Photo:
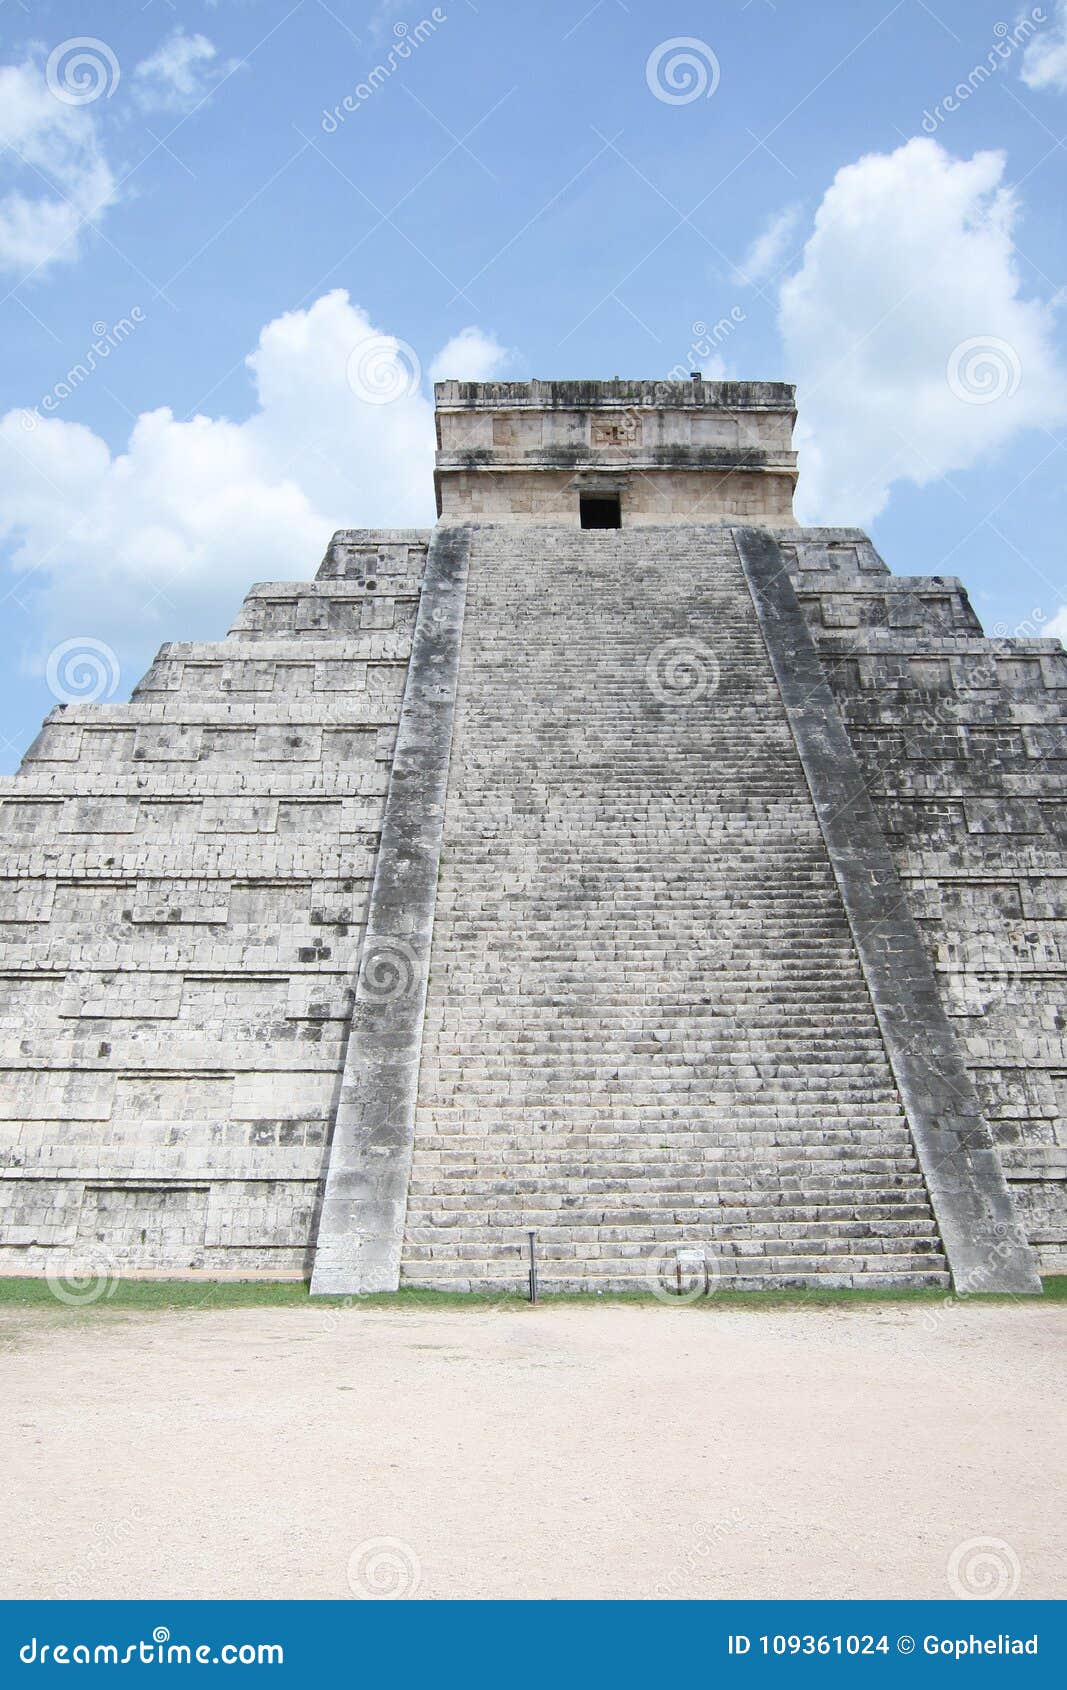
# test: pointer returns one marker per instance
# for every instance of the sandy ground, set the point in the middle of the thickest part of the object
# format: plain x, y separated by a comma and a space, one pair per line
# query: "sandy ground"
562, 1451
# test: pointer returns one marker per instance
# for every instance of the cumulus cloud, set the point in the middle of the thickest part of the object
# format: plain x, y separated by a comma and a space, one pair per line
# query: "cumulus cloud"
46, 143
914, 350
471, 355
1045, 59
765, 255
1056, 629
179, 74
161, 540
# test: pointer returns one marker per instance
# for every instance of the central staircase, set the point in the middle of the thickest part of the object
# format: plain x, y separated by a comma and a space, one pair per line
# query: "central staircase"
647, 1026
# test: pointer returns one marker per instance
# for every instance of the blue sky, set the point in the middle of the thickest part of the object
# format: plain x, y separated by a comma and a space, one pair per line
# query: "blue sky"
511, 194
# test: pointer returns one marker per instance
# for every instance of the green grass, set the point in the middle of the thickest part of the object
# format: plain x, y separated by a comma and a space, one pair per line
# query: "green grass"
150, 1295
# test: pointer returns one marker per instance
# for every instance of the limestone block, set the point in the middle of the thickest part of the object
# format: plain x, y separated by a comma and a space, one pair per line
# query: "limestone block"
141, 996
26, 900
59, 1096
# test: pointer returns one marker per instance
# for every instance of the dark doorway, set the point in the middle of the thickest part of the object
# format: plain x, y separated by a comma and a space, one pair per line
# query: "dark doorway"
600, 510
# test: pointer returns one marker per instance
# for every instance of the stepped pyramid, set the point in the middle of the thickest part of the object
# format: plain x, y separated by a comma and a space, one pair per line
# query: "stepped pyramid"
618, 862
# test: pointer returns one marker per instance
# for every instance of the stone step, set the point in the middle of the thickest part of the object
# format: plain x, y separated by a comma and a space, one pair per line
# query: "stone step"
595, 1226
614, 1277
629, 1198
880, 1186
591, 1244
603, 1132
645, 1009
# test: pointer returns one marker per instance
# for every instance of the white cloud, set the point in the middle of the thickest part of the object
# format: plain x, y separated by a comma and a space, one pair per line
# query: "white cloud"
905, 329
1045, 59
1056, 629
765, 255
52, 148
471, 355
179, 74
163, 539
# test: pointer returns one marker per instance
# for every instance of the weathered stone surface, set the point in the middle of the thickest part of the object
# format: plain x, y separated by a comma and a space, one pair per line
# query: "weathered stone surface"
648, 1019
976, 1218
647, 1025
963, 744
674, 451
183, 892
361, 1227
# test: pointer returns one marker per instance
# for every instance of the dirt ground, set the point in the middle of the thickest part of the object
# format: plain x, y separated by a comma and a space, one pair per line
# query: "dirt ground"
894, 1450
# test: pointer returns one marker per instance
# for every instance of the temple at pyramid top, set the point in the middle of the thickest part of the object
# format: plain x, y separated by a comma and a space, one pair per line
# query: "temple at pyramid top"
614, 454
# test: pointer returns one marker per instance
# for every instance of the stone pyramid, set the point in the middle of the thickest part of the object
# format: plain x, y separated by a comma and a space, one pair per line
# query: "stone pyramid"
618, 862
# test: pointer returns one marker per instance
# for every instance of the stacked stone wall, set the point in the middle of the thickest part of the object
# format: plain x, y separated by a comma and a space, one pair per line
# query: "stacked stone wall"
183, 884
964, 743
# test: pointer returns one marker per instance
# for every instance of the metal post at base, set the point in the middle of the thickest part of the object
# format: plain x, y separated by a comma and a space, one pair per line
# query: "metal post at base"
533, 1269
